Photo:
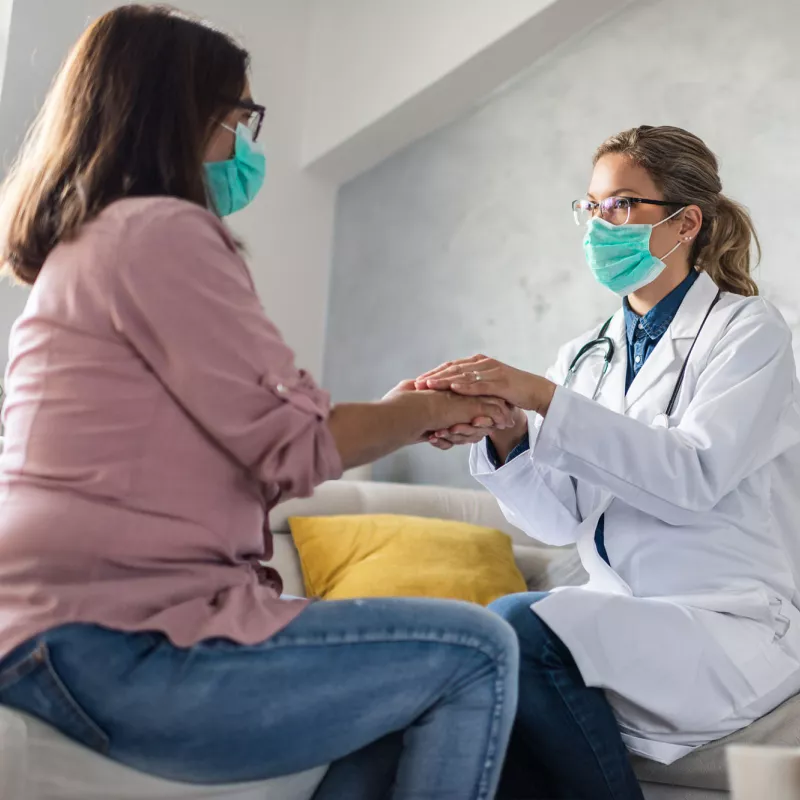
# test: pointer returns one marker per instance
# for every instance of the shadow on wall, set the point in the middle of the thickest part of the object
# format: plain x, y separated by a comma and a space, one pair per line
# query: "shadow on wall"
465, 243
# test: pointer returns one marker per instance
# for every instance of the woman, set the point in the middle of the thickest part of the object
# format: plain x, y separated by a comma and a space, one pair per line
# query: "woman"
153, 417
677, 482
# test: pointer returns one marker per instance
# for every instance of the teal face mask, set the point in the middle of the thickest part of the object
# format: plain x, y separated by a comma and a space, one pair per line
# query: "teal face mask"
233, 184
619, 255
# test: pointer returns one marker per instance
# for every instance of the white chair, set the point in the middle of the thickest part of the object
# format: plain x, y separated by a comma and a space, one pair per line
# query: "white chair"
38, 763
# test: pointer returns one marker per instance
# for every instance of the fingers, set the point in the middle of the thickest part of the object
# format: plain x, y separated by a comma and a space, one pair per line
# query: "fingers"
482, 375
500, 412
440, 444
457, 438
481, 422
449, 364
454, 367
404, 386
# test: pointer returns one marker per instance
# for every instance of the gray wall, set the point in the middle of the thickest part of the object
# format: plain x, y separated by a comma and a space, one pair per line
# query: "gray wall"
464, 242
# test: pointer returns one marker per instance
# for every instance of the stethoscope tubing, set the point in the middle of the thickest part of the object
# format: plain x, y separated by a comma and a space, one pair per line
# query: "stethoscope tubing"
608, 344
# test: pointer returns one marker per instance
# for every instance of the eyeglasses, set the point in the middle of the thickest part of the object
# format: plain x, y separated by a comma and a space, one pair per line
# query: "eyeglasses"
255, 119
616, 210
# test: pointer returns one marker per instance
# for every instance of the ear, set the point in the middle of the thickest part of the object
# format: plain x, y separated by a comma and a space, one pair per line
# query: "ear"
691, 221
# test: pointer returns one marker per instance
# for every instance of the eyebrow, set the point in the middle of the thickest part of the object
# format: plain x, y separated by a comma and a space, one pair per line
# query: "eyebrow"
615, 193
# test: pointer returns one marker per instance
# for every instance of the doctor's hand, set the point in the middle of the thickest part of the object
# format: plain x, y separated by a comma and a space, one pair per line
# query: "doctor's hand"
505, 439
481, 375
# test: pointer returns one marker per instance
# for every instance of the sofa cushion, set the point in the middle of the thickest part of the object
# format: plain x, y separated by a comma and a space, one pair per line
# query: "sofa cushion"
705, 767
393, 555
352, 497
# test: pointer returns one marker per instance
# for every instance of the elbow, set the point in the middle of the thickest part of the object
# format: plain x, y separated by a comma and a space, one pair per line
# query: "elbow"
557, 533
297, 468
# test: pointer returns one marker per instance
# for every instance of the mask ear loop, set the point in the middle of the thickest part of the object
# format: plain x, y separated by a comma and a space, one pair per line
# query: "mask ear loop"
667, 219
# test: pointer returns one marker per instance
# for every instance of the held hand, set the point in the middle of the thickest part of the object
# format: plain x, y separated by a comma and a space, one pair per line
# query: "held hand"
504, 440
494, 415
480, 375
448, 409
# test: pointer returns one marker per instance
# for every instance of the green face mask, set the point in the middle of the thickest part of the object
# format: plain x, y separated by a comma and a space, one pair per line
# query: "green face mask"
233, 184
619, 255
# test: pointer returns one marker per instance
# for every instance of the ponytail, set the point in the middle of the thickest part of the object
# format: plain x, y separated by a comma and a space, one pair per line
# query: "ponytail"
686, 171
722, 248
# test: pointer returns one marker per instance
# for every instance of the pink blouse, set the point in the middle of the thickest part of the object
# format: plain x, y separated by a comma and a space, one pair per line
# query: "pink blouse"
153, 418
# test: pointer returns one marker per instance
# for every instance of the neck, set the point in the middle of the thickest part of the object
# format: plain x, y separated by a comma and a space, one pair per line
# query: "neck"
642, 300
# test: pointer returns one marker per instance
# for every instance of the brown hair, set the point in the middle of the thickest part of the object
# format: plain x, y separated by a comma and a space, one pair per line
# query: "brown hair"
685, 170
130, 114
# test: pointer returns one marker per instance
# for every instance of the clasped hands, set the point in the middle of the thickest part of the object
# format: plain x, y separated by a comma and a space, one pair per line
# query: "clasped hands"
481, 376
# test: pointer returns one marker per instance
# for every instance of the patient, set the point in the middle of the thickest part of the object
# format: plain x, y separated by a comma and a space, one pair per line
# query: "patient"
154, 417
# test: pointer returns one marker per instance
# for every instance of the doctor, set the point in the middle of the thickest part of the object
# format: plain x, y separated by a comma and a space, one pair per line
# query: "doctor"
666, 445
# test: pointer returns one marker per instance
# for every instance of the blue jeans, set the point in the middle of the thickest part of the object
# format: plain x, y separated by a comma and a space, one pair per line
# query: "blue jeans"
566, 743
411, 699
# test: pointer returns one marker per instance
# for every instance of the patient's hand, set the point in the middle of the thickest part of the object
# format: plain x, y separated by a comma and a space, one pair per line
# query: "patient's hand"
466, 432
463, 433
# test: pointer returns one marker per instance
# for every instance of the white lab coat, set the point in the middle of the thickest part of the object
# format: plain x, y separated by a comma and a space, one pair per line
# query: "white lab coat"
694, 630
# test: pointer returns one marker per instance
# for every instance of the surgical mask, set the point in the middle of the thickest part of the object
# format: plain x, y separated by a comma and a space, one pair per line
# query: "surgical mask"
233, 184
619, 255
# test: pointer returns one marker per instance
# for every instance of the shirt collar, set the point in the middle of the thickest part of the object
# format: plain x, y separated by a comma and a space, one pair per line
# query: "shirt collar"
656, 321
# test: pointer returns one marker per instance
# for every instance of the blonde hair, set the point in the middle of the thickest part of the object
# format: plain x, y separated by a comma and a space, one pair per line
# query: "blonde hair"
685, 170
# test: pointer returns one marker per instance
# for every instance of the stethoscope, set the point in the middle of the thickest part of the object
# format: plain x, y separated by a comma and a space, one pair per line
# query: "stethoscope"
607, 343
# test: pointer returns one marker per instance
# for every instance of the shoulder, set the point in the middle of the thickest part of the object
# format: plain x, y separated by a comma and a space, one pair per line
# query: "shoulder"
753, 316
163, 216
163, 238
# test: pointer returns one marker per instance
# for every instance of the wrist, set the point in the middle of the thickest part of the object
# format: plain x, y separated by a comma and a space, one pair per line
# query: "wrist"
541, 395
411, 412
505, 441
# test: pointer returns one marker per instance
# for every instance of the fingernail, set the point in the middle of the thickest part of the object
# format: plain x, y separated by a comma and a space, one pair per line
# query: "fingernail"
457, 386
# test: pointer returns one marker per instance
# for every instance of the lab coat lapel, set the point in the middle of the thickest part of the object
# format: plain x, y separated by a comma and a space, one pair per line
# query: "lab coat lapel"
665, 362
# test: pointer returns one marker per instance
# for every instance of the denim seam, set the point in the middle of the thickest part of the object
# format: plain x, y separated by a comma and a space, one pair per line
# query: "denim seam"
282, 640
71, 707
432, 636
494, 730
550, 651
21, 668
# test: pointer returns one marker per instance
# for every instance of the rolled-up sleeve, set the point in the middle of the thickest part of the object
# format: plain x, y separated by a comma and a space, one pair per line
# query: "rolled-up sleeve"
184, 300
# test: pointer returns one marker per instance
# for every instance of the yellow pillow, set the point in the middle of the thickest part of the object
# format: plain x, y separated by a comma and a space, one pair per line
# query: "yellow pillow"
385, 555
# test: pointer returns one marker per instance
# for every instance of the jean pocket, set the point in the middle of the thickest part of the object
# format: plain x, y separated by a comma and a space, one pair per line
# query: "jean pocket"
32, 685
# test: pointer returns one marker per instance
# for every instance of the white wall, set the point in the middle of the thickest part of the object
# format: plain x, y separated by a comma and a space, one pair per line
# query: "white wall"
346, 83
370, 56
385, 72
288, 229
465, 243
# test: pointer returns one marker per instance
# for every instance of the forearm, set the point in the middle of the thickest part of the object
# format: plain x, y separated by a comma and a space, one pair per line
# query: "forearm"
365, 432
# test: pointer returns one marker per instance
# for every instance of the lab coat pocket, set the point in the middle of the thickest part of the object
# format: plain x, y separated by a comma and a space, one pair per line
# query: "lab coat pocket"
755, 651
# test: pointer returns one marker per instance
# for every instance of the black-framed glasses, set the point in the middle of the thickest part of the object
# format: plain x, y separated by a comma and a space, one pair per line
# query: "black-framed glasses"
616, 210
255, 119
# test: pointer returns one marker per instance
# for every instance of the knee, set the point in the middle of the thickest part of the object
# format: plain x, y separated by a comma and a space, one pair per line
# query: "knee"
470, 625
516, 610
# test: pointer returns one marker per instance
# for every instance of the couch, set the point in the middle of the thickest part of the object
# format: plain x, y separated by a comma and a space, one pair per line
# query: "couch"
37, 763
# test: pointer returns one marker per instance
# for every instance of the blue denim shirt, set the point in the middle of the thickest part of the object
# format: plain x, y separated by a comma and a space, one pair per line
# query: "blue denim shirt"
642, 336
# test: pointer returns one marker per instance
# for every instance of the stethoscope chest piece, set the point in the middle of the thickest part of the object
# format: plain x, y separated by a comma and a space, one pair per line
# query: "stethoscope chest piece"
661, 421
